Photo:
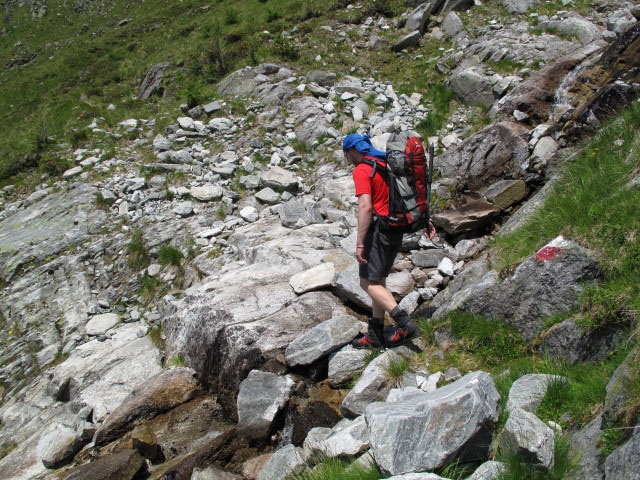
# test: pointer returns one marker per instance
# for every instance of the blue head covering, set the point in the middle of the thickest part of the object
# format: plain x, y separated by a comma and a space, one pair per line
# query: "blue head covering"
363, 145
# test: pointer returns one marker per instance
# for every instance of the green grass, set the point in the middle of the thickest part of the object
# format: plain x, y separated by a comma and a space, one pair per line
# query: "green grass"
137, 252
156, 336
177, 360
168, 255
396, 368
100, 202
518, 468
441, 99
150, 287
591, 204
337, 469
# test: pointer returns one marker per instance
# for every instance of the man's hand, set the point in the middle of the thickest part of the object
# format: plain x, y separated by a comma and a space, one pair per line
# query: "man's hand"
360, 254
430, 230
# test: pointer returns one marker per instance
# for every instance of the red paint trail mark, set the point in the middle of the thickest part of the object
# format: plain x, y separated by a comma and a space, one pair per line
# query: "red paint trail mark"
547, 253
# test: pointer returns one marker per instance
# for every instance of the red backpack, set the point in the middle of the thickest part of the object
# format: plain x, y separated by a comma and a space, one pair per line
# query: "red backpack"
409, 179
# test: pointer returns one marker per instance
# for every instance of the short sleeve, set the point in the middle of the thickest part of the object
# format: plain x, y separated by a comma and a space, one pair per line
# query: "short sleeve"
362, 180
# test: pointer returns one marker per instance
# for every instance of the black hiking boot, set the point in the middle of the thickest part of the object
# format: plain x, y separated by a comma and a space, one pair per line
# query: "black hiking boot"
374, 337
406, 329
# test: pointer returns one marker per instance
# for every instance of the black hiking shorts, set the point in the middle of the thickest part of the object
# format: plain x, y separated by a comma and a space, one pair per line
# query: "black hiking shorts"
380, 249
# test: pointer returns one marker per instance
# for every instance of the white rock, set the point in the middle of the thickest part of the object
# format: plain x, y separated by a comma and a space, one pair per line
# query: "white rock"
100, 324
250, 214
72, 172
445, 267
320, 276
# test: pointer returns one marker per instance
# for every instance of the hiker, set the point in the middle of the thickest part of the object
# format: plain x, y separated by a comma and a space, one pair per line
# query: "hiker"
376, 246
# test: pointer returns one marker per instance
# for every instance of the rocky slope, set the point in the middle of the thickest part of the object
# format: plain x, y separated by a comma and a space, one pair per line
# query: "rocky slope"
255, 314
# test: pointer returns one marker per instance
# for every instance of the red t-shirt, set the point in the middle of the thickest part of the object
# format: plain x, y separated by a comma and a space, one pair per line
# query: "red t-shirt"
376, 187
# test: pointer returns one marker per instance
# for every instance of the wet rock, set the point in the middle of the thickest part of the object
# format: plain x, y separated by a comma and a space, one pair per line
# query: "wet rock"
100, 324
496, 152
262, 395
310, 416
472, 216
155, 396
528, 436
119, 466
344, 364
284, 462
315, 278
152, 81
372, 386
527, 392
323, 339
58, 446
145, 442
430, 423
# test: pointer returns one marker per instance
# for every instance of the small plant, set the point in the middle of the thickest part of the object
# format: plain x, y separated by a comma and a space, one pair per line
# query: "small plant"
272, 15
79, 137
150, 287
221, 212
168, 255
371, 355
100, 202
285, 48
137, 251
214, 253
396, 368
231, 16
610, 439
300, 147
177, 361
156, 335
334, 468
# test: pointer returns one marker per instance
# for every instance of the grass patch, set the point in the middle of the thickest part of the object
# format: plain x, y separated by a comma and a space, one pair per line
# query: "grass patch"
137, 252
7, 448
176, 361
396, 368
156, 336
100, 202
338, 469
519, 468
168, 255
150, 287
591, 203
441, 98
506, 66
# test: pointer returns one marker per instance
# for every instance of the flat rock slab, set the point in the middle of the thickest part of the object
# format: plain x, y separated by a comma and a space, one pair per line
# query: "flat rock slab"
100, 324
320, 276
48, 228
206, 193
159, 394
262, 395
119, 466
472, 216
344, 364
323, 339
279, 179
528, 436
431, 424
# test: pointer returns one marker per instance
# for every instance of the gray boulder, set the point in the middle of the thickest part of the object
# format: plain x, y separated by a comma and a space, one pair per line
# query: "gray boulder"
547, 284
152, 81
584, 445
322, 78
285, 462
206, 193
529, 437
620, 20
58, 446
279, 179
100, 324
527, 392
295, 214
586, 31
427, 258
495, 152
624, 461
344, 363
347, 439
373, 386
418, 19
431, 424
347, 285
488, 471
518, 6
452, 25
323, 339
262, 395
617, 392
267, 195
410, 40
473, 88
320, 276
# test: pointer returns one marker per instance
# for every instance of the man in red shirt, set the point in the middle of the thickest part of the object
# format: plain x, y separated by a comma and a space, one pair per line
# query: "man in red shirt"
376, 247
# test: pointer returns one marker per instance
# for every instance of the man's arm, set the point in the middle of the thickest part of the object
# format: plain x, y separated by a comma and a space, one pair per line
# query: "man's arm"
365, 211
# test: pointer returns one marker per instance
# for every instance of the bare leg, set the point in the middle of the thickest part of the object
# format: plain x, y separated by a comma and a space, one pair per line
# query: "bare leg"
382, 299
